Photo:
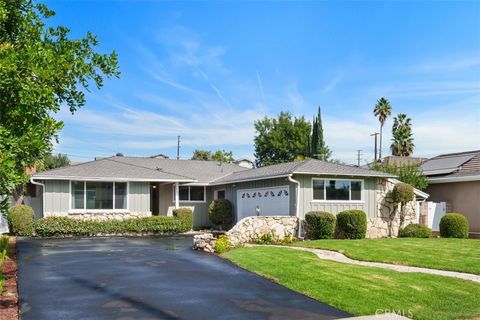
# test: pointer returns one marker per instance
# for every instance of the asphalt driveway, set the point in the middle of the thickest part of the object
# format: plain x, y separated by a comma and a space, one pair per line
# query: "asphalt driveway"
147, 278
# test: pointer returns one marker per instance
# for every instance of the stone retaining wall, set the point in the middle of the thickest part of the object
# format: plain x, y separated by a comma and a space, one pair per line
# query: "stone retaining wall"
378, 227
102, 216
251, 228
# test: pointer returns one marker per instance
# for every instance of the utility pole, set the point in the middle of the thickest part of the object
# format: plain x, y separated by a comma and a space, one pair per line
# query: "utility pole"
359, 155
178, 147
376, 135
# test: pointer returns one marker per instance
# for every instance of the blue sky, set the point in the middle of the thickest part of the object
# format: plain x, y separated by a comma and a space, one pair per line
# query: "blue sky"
208, 70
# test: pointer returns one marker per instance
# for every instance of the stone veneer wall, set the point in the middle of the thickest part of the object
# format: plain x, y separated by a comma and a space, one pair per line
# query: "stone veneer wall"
107, 215
251, 228
378, 227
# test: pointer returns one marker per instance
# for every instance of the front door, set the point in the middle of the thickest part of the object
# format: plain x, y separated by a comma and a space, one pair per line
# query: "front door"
154, 201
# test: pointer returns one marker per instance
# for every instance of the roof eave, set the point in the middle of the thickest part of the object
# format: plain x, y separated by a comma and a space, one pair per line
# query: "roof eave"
40, 177
218, 183
346, 174
454, 179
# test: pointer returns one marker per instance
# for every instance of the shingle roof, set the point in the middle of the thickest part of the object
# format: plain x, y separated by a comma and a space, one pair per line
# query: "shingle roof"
137, 168
310, 166
453, 164
195, 171
201, 171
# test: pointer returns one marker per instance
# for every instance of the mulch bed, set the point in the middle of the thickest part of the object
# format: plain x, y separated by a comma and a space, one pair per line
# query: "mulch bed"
9, 298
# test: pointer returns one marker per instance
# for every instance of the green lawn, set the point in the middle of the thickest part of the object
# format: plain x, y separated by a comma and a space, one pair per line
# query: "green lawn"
363, 290
448, 254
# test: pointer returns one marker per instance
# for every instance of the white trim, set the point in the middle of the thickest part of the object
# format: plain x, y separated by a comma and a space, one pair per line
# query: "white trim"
190, 201
215, 193
345, 175
43, 194
249, 179
109, 179
417, 192
362, 189
85, 210
454, 179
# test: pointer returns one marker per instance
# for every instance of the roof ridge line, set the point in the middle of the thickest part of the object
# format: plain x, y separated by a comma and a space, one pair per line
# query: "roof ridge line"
73, 165
154, 170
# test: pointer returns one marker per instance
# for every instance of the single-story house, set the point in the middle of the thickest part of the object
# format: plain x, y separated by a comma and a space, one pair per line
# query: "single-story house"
454, 178
119, 187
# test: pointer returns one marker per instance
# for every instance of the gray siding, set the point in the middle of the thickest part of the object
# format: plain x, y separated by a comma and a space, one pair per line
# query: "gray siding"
139, 197
369, 203
231, 190
57, 197
200, 209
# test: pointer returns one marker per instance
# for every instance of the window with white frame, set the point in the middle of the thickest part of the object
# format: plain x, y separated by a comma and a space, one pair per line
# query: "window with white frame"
219, 194
92, 195
337, 190
190, 193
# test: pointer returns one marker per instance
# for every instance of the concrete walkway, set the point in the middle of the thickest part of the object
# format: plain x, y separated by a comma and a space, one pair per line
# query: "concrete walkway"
336, 256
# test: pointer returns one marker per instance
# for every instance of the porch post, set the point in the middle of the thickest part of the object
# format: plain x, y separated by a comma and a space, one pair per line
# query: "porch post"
177, 195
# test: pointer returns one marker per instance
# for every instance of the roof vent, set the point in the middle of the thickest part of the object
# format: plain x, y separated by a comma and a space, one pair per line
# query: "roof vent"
158, 169
119, 154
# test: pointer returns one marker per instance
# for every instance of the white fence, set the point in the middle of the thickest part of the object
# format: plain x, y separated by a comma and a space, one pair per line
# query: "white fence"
432, 212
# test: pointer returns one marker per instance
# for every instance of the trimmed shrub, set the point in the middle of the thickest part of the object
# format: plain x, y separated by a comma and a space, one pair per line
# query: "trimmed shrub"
21, 219
185, 215
454, 225
65, 226
403, 193
320, 225
415, 230
220, 213
352, 224
222, 244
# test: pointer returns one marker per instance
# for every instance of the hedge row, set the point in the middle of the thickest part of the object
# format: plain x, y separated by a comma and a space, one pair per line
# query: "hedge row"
21, 221
350, 224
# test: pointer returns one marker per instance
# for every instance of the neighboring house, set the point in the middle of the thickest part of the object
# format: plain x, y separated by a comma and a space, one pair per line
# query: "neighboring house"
455, 179
119, 187
244, 163
399, 160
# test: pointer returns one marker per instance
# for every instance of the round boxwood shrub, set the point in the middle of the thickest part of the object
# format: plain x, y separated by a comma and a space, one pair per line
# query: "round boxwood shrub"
415, 230
352, 224
320, 225
21, 219
220, 213
454, 225
185, 215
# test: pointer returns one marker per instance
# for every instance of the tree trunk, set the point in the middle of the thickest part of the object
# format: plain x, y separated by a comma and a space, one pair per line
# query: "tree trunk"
17, 194
380, 150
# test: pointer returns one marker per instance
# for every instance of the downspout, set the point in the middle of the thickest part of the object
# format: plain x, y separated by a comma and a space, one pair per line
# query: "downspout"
43, 193
297, 199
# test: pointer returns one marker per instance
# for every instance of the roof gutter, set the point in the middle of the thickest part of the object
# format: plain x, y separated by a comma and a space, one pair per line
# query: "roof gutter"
109, 179
248, 179
454, 179
43, 193
297, 198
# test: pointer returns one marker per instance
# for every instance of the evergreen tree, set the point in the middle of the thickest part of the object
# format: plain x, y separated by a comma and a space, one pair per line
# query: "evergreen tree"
319, 149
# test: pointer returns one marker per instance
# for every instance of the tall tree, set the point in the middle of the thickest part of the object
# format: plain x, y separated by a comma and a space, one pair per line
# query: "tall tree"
319, 149
382, 110
52, 161
41, 69
281, 139
402, 141
218, 155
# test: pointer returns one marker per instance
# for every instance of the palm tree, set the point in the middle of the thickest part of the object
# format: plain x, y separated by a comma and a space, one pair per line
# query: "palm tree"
382, 110
402, 141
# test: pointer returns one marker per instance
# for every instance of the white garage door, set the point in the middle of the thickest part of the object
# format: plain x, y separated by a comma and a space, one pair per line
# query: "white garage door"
273, 201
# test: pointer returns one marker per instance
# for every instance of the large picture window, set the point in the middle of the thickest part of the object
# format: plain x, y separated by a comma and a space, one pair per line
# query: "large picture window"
337, 190
90, 195
190, 193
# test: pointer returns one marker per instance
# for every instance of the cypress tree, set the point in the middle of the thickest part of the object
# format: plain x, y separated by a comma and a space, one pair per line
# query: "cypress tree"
319, 148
